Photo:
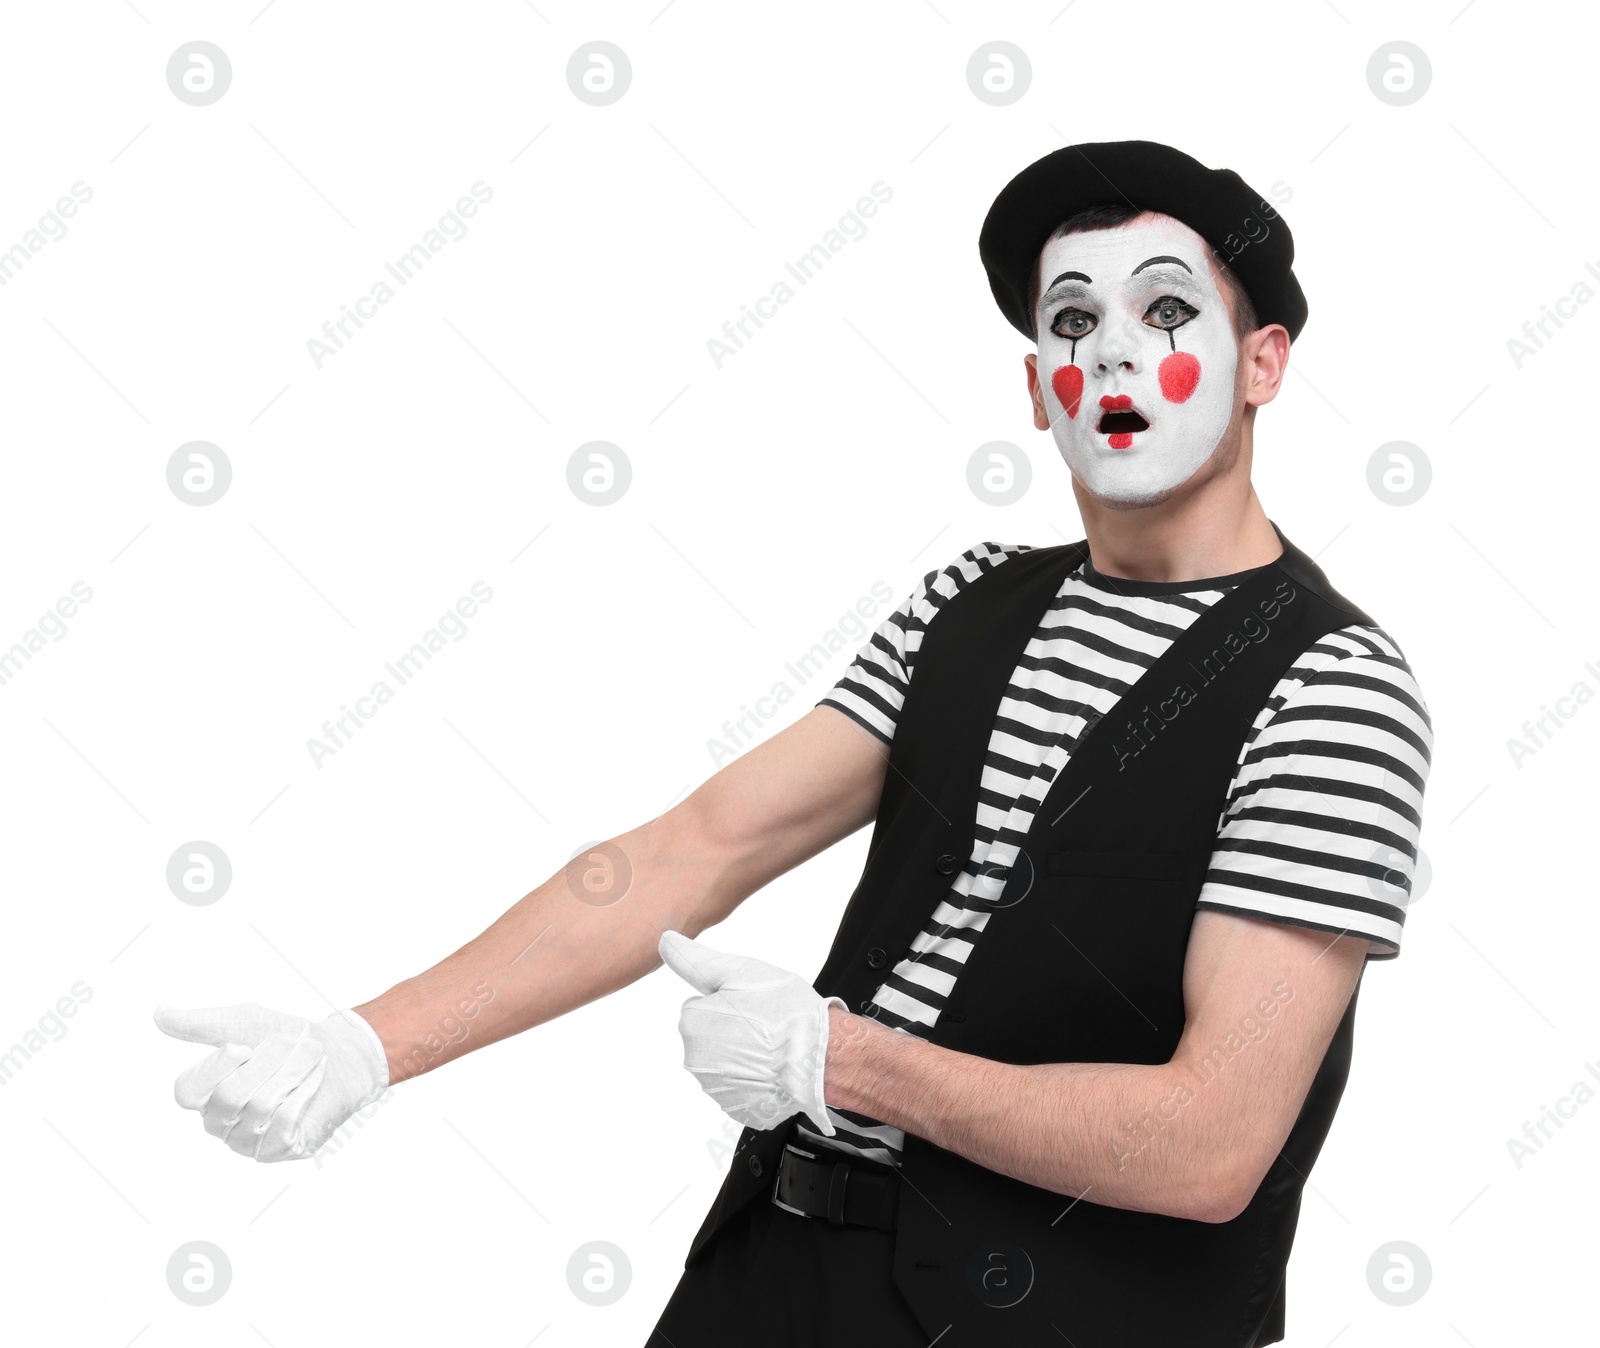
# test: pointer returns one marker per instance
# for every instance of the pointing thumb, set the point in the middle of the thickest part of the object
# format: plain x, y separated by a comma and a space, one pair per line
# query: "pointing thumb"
248, 1023
701, 967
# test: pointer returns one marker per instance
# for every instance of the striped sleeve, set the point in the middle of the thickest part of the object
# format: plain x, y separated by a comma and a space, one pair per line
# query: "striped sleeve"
1321, 825
873, 689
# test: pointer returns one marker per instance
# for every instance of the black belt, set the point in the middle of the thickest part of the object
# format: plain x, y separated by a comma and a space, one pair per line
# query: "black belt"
814, 1184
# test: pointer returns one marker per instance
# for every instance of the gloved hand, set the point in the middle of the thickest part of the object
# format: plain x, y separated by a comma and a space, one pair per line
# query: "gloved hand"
277, 1086
757, 1037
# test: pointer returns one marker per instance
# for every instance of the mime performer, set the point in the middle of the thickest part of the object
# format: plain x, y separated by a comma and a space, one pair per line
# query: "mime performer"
1144, 807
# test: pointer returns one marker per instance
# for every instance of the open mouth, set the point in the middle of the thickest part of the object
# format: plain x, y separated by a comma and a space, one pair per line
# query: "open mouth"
1117, 417
1119, 423
1122, 422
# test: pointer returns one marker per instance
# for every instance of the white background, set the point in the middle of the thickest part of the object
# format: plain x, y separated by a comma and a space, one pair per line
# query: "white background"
767, 497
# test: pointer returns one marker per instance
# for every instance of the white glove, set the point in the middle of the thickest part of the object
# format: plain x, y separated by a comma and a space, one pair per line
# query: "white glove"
277, 1086
757, 1039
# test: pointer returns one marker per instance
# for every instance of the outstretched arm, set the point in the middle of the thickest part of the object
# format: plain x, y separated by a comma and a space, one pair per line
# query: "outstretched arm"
277, 1086
594, 927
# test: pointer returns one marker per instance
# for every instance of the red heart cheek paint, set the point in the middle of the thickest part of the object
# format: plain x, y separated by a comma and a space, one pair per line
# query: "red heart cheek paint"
1179, 373
1068, 384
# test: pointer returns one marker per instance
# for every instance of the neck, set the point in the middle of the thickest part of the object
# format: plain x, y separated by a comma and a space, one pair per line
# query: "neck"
1209, 527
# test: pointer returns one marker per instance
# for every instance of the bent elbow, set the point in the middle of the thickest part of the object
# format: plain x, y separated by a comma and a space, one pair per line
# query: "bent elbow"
1218, 1198
1223, 1207
1210, 1204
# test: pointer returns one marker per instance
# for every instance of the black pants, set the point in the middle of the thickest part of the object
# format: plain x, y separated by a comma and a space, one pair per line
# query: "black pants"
773, 1279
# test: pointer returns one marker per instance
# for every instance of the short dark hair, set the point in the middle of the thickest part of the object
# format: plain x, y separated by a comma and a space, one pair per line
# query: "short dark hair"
1109, 216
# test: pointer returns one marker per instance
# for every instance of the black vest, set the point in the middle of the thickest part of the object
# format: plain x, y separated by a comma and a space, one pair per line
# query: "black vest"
1081, 960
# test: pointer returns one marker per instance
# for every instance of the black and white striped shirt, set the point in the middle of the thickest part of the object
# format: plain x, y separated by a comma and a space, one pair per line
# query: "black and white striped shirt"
1327, 790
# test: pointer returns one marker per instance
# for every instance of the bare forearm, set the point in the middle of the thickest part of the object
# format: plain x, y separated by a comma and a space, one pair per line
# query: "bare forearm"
588, 930
1113, 1133
594, 926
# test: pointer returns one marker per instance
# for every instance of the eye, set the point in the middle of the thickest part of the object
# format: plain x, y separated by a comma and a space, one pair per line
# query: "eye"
1073, 324
1169, 313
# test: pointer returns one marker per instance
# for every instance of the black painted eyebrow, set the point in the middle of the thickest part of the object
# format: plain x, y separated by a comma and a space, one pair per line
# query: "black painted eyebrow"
1151, 261
1076, 282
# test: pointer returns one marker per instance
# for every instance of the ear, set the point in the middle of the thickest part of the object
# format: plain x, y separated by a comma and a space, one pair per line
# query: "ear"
1041, 417
1265, 356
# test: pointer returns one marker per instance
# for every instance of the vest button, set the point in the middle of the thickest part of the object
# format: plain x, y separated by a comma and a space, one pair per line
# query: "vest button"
876, 958
755, 1166
947, 863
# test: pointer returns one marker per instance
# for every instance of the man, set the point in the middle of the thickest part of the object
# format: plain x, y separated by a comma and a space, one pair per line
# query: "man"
1149, 804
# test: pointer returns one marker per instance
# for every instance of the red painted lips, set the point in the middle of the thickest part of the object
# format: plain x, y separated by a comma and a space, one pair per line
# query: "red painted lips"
1119, 421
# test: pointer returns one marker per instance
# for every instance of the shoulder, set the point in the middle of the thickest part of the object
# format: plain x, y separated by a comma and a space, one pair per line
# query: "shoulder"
1355, 686
944, 583
978, 560
1361, 655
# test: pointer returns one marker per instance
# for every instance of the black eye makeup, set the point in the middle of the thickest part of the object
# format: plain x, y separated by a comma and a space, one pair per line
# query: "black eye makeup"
1073, 324
1168, 314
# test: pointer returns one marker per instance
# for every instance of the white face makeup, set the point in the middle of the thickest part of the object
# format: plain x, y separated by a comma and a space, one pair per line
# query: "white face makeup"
1136, 356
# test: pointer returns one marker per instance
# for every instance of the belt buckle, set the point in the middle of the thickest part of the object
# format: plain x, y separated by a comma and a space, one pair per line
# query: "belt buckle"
798, 1151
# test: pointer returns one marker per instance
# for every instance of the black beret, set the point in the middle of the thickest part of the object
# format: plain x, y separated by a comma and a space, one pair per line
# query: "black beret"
1244, 230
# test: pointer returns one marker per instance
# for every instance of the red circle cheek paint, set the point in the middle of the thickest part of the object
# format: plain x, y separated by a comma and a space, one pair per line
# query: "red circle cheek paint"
1179, 373
1068, 384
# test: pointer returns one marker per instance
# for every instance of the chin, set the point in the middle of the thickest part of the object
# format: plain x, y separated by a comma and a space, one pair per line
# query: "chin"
1135, 480
1122, 485
1131, 498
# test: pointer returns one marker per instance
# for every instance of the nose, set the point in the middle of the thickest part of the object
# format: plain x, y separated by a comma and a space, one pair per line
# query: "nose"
1119, 348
